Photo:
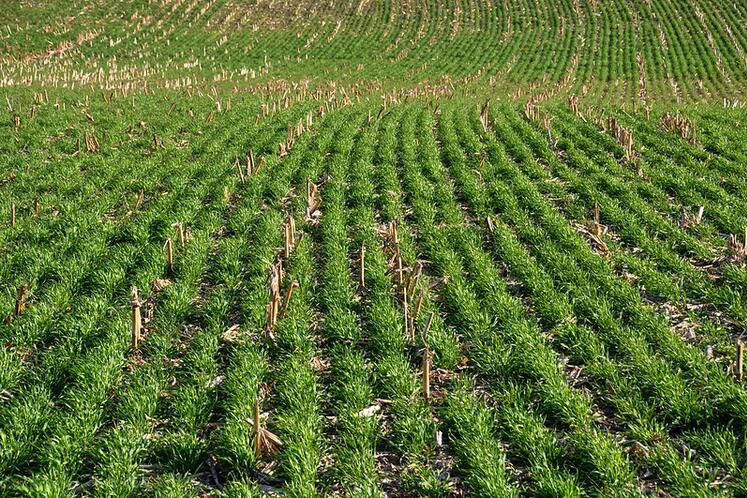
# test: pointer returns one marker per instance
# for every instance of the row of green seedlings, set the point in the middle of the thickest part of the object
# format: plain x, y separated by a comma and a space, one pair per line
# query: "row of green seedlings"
21, 294
531, 65
159, 285
253, 167
410, 294
115, 458
52, 363
596, 228
685, 218
626, 225
415, 432
40, 232
357, 412
267, 443
624, 136
376, 268
475, 197
36, 209
136, 322
214, 184
354, 431
688, 171
183, 234
301, 361
276, 310
691, 157
277, 307
243, 389
595, 231
86, 419
522, 266
262, 442
451, 247
20, 304
681, 125
551, 305
734, 246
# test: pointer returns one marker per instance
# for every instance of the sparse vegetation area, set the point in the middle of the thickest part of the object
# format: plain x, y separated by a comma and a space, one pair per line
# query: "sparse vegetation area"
373, 248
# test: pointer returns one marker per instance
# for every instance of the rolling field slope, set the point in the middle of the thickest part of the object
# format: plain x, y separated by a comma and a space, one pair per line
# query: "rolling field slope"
373, 248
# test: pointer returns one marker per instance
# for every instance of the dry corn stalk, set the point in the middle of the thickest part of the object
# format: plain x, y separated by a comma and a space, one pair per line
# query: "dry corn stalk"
257, 430
573, 103
237, 165
688, 221
293, 286
394, 237
409, 332
699, 216
136, 321
595, 231
313, 201
139, 200
739, 364
414, 279
168, 247
265, 442
419, 304
427, 327
250, 163
259, 164
21, 300
427, 361
273, 307
484, 116
180, 233
289, 229
683, 126
545, 122
12, 214
623, 136
157, 144
287, 249
531, 111
92, 143
36, 208
363, 265
739, 247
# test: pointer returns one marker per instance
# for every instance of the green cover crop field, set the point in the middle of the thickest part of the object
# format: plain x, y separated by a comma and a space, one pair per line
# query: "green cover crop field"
373, 248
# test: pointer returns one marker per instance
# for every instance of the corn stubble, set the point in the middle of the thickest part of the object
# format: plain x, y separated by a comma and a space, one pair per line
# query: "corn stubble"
458, 266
